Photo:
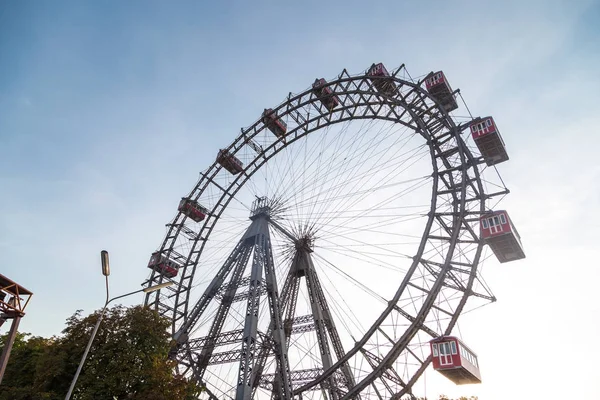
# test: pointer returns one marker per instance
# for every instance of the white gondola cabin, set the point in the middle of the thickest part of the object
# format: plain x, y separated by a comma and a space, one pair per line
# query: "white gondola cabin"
381, 79
230, 162
454, 360
438, 87
499, 233
192, 209
325, 94
163, 265
274, 123
488, 140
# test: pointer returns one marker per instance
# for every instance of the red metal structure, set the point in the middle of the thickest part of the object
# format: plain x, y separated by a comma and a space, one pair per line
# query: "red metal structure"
498, 231
325, 94
163, 265
13, 300
453, 359
192, 209
274, 123
437, 85
488, 140
380, 78
230, 162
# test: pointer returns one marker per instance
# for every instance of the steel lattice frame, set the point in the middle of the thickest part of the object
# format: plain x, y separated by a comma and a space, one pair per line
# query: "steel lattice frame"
457, 200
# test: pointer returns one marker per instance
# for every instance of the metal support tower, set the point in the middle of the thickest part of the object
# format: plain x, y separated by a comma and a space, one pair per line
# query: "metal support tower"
255, 244
302, 266
256, 346
13, 300
262, 262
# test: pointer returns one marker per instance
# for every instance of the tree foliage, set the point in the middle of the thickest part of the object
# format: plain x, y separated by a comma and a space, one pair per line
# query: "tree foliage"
128, 361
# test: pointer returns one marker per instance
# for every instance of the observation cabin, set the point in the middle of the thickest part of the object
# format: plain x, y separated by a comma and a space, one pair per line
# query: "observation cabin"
274, 123
488, 140
230, 162
438, 87
381, 79
453, 359
500, 234
192, 209
163, 265
325, 94
13, 299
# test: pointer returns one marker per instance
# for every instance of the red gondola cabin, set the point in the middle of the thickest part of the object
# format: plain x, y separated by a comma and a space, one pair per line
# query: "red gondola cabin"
498, 231
382, 80
163, 265
274, 123
230, 162
325, 94
192, 209
488, 141
454, 360
438, 87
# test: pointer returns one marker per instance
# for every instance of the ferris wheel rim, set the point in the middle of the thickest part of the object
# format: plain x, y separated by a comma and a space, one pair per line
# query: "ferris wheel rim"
242, 140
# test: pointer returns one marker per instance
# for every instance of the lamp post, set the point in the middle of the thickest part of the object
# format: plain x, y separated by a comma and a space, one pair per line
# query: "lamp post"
106, 273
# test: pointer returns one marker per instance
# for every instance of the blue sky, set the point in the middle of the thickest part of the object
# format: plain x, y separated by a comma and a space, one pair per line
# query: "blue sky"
108, 111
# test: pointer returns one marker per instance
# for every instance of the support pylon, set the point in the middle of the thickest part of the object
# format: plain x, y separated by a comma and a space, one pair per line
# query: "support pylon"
13, 300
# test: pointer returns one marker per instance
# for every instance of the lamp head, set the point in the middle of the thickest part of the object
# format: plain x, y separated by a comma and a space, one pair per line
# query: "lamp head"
105, 263
158, 287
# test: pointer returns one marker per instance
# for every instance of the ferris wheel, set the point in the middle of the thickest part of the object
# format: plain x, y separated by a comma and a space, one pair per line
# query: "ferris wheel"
329, 250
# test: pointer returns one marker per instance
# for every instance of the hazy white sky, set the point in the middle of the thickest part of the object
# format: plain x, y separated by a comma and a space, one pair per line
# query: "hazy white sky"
108, 110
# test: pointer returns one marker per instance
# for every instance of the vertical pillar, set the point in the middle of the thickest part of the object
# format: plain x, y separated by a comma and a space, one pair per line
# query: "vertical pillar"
320, 325
12, 334
281, 385
244, 388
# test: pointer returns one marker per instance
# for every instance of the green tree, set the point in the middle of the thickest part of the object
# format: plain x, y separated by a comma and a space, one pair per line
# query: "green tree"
128, 361
21, 370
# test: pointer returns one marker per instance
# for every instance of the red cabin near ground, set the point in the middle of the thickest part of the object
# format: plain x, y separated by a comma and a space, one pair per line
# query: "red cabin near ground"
274, 123
454, 360
192, 209
325, 94
382, 80
499, 233
438, 87
163, 265
488, 141
230, 162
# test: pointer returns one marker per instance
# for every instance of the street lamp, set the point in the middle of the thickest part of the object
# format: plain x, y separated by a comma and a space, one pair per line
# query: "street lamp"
106, 273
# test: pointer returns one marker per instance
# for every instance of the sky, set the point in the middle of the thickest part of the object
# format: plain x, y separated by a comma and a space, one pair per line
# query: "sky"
108, 111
